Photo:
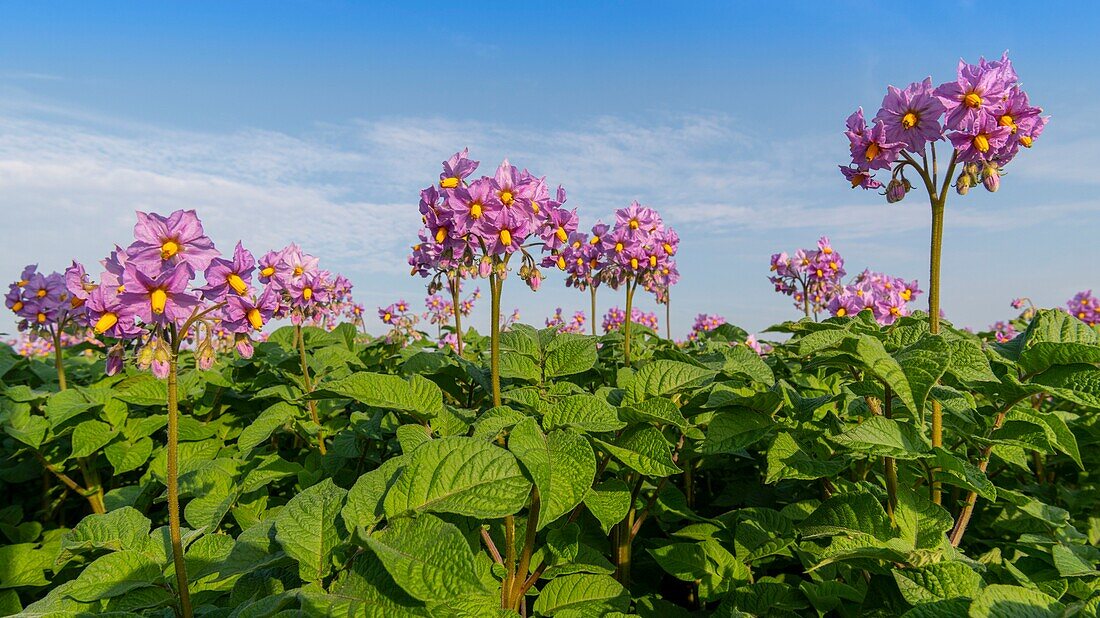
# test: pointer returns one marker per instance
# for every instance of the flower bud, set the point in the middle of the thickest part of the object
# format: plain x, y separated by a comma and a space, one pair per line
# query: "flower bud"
243, 345
535, 280
160, 369
146, 355
962, 185
204, 356
991, 177
114, 360
895, 191
485, 267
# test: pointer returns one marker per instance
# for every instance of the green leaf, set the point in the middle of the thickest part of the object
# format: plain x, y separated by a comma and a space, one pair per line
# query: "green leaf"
1070, 562
65, 405
665, 377
1001, 601
114, 574
644, 450
924, 363
938, 582
569, 354
608, 502
561, 464
1077, 383
684, 561
787, 461
429, 559
848, 514
878, 362
143, 390
309, 528
126, 456
968, 362
658, 410
953, 470
584, 412
920, 522
363, 507
90, 436
460, 475
417, 396
885, 437
743, 360
259, 430
591, 595
730, 432
1056, 338
124, 528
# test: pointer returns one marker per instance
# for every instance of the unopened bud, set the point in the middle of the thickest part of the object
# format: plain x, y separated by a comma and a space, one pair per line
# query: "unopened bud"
962, 185
895, 191
991, 177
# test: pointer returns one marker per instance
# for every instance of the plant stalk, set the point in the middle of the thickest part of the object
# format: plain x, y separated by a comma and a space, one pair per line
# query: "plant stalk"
495, 285
173, 488
592, 288
627, 321
455, 291
890, 465
308, 382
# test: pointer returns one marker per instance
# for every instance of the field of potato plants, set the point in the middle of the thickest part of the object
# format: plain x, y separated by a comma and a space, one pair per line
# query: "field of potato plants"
187, 430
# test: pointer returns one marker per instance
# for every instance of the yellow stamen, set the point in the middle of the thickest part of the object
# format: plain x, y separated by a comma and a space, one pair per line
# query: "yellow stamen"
633, 224
827, 250
981, 142
652, 261
105, 322
841, 312
972, 100
239, 286
894, 311
580, 261
1025, 141
21, 282
858, 178
872, 151
387, 317
255, 319
18, 306
41, 318
833, 266
668, 248
297, 271
168, 249
475, 210
618, 247
307, 293
76, 302
906, 294
506, 198
506, 238
40, 293
1007, 121
562, 236
440, 234
267, 272
909, 120
561, 263
634, 263
120, 289
534, 207
449, 183
576, 244
819, 273
595, 240
158, 298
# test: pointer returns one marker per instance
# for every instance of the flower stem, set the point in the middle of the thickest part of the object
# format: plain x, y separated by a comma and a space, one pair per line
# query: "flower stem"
495, 285
668, 315
94, 493
627, 322
934, 324
528, 548
593, 316
891, 468
458, 314
509, 562
57, 359
173, 488
308, 383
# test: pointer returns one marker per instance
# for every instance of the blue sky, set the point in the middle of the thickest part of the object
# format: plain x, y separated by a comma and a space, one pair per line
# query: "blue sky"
319, 122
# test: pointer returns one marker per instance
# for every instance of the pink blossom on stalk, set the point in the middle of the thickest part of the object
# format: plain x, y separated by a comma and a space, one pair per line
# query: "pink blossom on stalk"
244, 314
980, 139
273, 269
232, 277
457, 169
860, 178
1085, 307
975, 92
161, 297
912, 116
108, 315
170, 240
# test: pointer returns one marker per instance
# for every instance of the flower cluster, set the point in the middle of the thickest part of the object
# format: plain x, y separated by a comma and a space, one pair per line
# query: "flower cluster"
1003, 331
574, 325
43, 302
1085, 307
704, 322
441, 310
984, 114
616, 317
402, 322
470, 222
885, 296
756, 346
303, 291
810, 276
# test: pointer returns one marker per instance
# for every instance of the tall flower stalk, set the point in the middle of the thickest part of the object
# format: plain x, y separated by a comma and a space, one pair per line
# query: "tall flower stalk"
984, 115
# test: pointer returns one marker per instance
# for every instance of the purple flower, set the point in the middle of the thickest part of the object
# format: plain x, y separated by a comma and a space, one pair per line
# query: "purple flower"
456, 169
859, 178
223, 276
171, 240
273, 269
980, 139
243, 313
467, 205
874, 150
502, 231
161, 298
912, 116
975, 92
108, 315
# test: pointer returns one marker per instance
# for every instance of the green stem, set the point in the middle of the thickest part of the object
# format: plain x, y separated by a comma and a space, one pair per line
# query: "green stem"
495, 285
94, 493
668, 315
593, 316
518, 591
458, 314
509, 562
805, 300
934, 325
173, 488
57, 359
889, 464
308, 383
627, 322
